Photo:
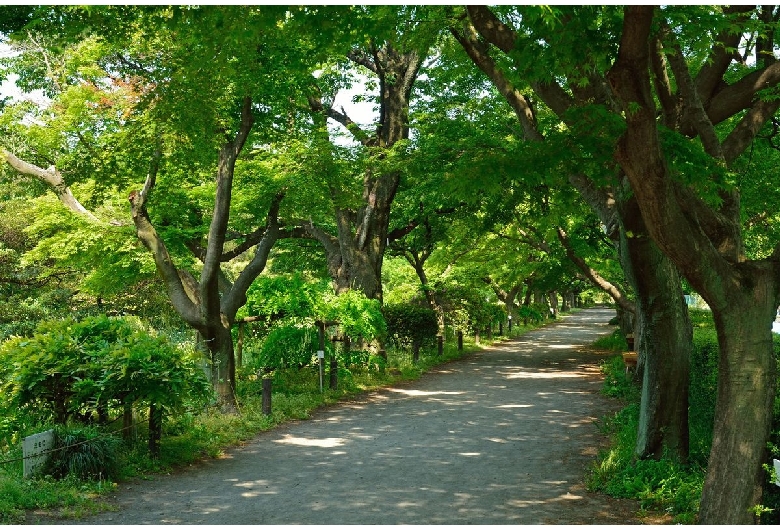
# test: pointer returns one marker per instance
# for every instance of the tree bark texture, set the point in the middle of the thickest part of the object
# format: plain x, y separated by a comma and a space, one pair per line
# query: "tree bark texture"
743, 295
664, 341
210, 304
356, 252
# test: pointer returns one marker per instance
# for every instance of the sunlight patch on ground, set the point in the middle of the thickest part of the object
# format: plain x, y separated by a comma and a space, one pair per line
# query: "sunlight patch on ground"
541, 375
422, 392
513, 406
311, 442
469, 454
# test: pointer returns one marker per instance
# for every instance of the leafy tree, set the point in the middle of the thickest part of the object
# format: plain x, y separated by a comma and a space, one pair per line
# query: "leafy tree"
82, 370
681, 193
169, 98
568, 131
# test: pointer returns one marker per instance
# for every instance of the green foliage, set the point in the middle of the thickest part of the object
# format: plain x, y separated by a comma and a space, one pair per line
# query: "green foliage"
530, 313
83, 452
615, 341
358, 316
618, 383
666, 484
291, 342
409, 325
84, 369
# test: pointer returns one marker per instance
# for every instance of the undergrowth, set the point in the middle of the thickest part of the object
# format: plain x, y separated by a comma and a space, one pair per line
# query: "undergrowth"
666, 484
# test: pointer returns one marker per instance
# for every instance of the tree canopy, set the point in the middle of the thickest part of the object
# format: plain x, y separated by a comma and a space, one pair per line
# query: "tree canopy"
189, 164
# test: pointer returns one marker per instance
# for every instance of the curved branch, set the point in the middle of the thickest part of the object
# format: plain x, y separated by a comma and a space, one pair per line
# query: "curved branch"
181, 287
593, 276
711, 73
52, 178
505, 38
480, 56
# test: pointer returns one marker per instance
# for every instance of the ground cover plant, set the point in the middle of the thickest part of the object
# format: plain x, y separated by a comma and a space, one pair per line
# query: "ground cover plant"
667, 484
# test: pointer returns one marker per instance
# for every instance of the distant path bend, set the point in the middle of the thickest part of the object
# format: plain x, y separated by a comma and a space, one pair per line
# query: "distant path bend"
502, 437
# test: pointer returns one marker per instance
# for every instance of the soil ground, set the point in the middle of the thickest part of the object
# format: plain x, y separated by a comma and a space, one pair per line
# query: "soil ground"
504, 436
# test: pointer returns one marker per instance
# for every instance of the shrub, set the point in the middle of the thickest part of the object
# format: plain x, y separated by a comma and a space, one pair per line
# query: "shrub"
84, 370
84, 453
410, 326
291, 342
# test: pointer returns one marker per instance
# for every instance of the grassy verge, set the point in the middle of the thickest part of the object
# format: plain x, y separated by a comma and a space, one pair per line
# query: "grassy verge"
191, 437
665, 484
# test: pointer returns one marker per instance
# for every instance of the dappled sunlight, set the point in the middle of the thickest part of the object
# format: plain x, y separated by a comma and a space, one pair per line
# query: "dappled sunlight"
408, 392
311, 442
543, 375
500, 438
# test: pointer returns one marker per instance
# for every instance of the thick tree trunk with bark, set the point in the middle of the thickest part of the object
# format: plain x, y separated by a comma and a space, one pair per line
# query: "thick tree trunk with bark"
706, 245
664, 340
210, 304
743, 416
356, 252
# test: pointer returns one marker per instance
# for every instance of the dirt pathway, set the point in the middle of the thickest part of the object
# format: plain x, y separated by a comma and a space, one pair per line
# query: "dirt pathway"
503, 437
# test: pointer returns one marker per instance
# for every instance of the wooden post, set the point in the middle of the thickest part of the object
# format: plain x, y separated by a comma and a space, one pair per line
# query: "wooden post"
267, 383
155, 430
510, 324
460, 340
476, 337
440, 341
500, 328
321, 330
416, 351
240, 345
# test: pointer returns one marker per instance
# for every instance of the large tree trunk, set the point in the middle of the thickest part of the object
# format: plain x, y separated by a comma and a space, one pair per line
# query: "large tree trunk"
219, 342
743, 413
664, 340
706, 246
356, 252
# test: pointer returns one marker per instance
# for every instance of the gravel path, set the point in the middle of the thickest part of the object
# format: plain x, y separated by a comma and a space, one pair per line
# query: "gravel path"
503, 437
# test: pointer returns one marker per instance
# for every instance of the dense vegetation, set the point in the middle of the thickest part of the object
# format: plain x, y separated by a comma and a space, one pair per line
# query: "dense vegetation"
666, 484
186, 190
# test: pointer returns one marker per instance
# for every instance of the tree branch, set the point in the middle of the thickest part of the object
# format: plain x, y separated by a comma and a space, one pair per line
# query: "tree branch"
53, 179
209, 280
480, 56
181, 287
505, 38
593, 276
711, 74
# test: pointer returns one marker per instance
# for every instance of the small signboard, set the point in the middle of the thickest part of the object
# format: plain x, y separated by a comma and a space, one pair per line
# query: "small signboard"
35, 450
777, 471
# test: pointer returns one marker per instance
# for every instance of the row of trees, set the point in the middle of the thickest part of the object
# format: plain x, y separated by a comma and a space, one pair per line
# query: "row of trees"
503, 151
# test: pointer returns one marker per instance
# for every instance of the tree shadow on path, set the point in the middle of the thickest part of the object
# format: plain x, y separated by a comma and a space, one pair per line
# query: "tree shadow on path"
502, 437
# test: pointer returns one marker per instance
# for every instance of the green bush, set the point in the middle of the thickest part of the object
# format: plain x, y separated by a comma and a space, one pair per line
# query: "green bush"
409, 326
528, 313
85, 370
666, 484
615, 341
291, 342
84, 453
